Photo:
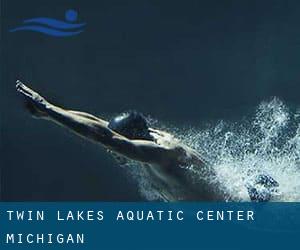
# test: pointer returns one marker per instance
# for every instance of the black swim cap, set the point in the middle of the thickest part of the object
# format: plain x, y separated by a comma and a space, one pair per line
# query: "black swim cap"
132, 125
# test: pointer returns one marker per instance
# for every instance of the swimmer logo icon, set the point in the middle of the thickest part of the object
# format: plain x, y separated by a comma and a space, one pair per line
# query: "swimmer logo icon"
53, 27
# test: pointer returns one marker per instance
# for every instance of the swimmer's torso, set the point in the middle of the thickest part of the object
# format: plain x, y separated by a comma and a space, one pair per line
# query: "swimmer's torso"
179, 179
181, 183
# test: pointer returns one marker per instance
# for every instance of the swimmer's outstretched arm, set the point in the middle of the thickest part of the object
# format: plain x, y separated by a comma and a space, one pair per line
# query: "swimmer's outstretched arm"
95, 129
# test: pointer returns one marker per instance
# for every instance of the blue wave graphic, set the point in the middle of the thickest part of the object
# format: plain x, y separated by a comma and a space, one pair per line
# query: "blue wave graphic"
47, 31
53, 23
53, 27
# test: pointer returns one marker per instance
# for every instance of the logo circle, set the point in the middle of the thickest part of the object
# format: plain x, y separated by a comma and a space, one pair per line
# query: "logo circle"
71, 15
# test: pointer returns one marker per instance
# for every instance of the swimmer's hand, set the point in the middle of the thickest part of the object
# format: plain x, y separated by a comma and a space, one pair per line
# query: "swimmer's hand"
35, 103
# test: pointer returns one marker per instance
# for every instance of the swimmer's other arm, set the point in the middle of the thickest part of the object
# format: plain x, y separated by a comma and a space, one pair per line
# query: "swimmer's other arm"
95, 129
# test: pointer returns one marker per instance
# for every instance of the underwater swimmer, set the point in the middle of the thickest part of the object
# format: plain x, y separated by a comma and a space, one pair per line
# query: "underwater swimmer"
129, 135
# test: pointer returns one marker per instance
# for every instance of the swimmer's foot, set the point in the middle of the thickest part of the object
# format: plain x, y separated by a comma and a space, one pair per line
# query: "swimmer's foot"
34, 103
263, 188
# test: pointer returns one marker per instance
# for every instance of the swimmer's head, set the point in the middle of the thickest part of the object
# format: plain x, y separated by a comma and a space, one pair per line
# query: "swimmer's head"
132, 125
